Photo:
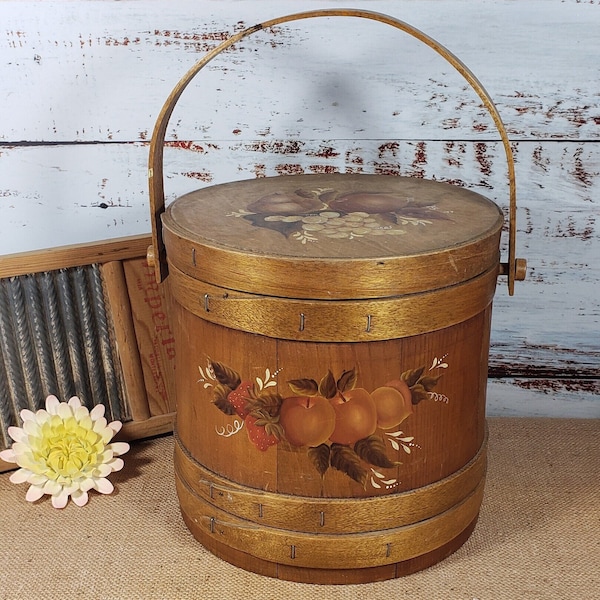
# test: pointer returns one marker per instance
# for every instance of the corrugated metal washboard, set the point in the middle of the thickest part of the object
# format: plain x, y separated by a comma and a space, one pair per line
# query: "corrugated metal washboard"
56, 338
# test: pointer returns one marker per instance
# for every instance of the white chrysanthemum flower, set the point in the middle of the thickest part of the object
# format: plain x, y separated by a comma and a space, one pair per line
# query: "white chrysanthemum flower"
64, 451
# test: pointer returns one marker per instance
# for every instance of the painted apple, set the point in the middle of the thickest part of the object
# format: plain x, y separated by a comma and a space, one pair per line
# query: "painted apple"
285, 203
355, 416
307, 420
369, 202
393, 403
402, 387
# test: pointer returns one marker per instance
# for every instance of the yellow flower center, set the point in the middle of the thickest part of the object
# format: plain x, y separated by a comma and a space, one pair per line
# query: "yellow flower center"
66, 449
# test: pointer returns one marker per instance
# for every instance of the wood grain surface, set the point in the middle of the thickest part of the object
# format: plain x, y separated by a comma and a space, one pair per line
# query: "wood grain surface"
83, 82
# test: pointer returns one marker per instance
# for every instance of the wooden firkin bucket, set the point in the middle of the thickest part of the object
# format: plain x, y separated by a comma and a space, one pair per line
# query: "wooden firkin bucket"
332, 338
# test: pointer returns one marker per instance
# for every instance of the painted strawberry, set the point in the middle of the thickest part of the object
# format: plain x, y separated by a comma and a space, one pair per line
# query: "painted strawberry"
239, 398
262, 435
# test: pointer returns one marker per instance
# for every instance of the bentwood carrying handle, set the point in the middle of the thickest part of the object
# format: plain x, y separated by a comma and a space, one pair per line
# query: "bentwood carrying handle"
514, 268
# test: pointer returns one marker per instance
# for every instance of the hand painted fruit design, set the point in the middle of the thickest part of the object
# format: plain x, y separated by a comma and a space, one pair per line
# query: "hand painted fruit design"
334, 418
393, 403
307, 420
238, 398
353, 445
287, 203
259, 408
258, 433
328, 214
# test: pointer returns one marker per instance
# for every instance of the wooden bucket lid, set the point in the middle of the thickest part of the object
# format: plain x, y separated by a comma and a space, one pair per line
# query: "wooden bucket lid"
335, 236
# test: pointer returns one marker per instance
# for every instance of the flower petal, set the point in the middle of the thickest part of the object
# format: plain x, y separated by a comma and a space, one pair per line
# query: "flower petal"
115, 426
102, 470
80, 498
36, 478
119, 448
101, 428
81, 413
63, 451
97, 412
52, 404
106, 433
31, 428
74, 402
60, 500
35, 492
17, 434
69, 489
86, 485
86, 421
8, 455
19, 476
52, 487
64, 411
116, 464
21, 447
106, 455
27, 415
104, 486
41, 416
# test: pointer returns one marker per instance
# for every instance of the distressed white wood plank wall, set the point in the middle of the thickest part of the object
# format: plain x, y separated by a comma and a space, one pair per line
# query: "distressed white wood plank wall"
82, 82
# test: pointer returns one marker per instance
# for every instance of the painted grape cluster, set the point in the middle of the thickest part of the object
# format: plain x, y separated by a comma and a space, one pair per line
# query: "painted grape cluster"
335, 225
329, 214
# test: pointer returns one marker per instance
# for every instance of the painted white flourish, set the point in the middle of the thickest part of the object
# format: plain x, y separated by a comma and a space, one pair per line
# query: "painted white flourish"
438, 363
269, 379
379, 480
397, 441
207, 376
436, 397
230, 429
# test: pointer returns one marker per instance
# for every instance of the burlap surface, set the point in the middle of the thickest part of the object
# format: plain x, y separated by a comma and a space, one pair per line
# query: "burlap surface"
538, 536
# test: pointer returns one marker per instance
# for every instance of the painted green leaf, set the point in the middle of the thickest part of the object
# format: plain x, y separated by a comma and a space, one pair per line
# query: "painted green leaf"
347, 380
327, 386
319, 457
429, 382
418, 393
412, 376
225, 375
267, 402
344, 459
220, 399
372, 450
304, 387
